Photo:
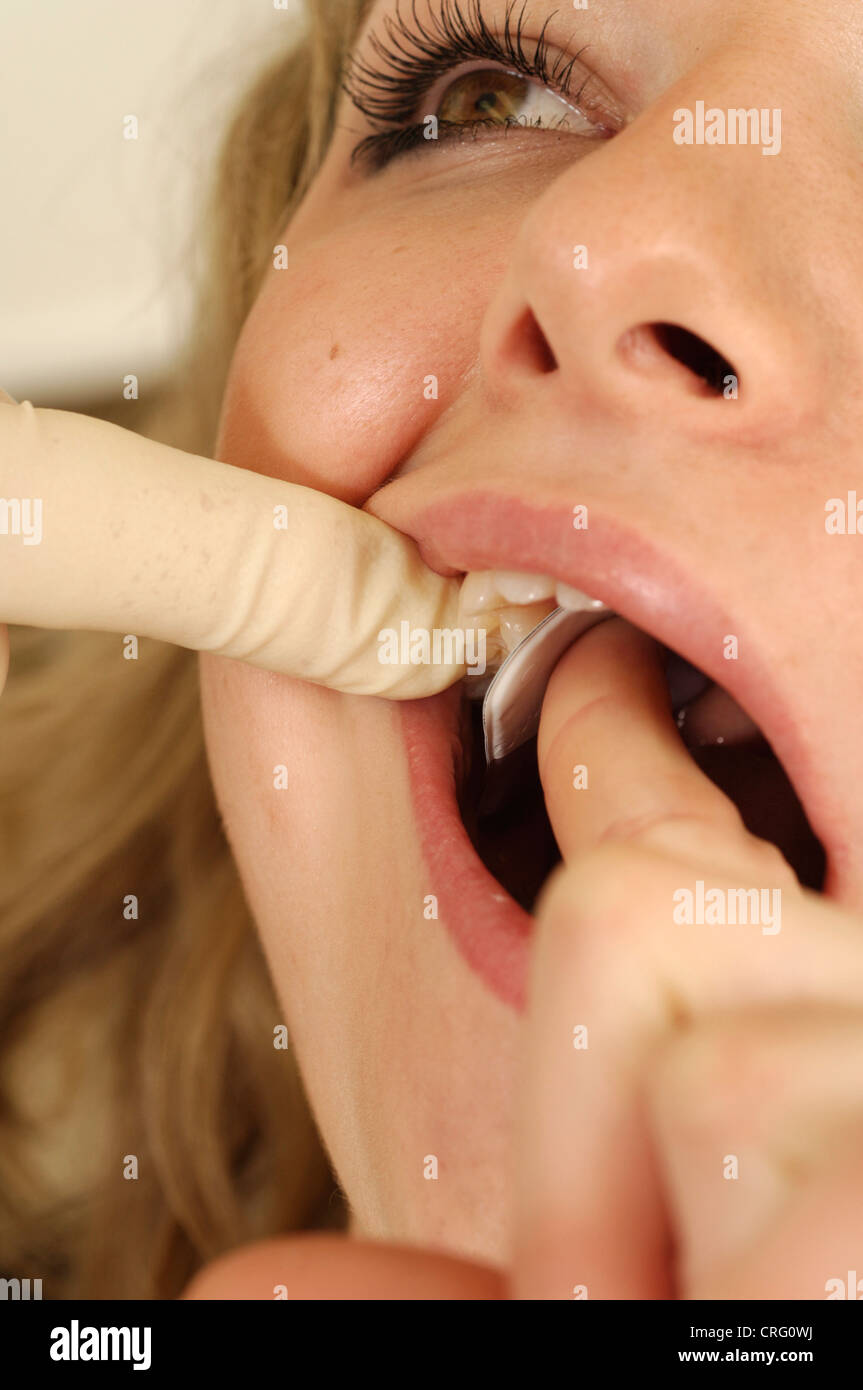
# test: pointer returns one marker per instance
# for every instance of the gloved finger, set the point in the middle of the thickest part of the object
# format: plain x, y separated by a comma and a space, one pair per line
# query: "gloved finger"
121, 534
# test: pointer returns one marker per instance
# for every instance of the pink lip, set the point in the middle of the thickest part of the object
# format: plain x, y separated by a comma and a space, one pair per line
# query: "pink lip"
483, 530
490, 930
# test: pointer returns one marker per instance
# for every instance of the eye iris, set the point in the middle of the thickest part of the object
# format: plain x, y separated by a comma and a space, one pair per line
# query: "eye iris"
472, 98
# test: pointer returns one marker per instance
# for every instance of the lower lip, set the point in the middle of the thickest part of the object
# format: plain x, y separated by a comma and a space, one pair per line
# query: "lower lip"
490, 930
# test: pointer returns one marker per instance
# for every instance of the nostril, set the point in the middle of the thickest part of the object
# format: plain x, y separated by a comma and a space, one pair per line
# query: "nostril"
529, 347
652, 340
693, 352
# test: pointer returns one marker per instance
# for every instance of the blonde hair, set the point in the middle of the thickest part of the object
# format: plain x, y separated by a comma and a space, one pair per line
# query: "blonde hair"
147, 1122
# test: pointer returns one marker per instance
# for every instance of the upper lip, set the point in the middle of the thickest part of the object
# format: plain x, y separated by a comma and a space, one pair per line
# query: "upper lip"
466, 529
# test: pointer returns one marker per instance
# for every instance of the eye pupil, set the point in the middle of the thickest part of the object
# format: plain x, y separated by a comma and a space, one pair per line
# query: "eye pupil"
484, 94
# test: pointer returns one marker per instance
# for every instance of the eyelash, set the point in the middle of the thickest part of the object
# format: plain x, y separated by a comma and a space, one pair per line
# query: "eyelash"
412, 59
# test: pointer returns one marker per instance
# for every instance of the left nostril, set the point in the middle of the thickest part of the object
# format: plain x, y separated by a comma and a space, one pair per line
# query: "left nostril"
652, 342
529, 347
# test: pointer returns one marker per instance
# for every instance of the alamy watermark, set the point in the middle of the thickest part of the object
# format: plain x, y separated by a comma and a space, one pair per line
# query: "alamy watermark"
20, 1290
844, 515
737, 126
438, 646
22, 516
77, 1343
719, 907
847, 1288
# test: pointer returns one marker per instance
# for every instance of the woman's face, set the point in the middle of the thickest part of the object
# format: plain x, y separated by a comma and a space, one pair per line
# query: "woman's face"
528, 271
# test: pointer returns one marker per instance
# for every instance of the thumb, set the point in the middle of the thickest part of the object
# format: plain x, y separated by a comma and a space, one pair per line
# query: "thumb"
607, 710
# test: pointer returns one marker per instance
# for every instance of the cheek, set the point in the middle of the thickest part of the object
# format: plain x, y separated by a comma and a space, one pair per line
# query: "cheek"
324, 844
296, 770
330, 383
272, 742
352, 353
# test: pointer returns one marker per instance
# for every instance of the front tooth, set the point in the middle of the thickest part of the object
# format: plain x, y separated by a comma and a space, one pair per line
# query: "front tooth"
479, 592
575, 600
523, 588
496, 652
516, 623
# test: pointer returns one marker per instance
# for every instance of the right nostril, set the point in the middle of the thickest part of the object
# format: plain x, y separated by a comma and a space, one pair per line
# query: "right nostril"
529, 347
693, 353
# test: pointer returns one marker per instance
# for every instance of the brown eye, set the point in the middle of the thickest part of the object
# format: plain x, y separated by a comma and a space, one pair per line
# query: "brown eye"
484, 96
493, 96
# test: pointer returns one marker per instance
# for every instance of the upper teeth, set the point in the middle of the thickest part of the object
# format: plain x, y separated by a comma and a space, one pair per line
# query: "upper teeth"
509, 605
486, 590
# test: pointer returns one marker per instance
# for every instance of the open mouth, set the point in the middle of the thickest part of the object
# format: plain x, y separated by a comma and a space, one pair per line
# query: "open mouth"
486, 839
503, 809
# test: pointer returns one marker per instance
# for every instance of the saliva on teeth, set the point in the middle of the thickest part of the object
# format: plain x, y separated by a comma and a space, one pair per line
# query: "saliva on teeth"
509, 605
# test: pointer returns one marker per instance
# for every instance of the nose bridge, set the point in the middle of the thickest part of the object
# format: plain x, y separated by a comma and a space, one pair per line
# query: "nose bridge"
668, 225
707, 175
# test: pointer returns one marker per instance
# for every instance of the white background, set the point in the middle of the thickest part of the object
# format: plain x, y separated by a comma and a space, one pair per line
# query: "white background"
98, 232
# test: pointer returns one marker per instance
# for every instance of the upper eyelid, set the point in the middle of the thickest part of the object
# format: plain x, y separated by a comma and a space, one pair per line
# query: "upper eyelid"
444, 80
388, 95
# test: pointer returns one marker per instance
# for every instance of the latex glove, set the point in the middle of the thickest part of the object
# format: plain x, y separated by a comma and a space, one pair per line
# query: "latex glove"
140, 538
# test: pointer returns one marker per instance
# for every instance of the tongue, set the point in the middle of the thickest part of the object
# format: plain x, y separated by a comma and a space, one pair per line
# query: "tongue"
732, 751
715, 718
705, 713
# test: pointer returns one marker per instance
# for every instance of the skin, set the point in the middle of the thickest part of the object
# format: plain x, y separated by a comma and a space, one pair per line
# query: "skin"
426, 268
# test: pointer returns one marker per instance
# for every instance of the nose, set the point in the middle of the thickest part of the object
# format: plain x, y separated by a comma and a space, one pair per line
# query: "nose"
645, 281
